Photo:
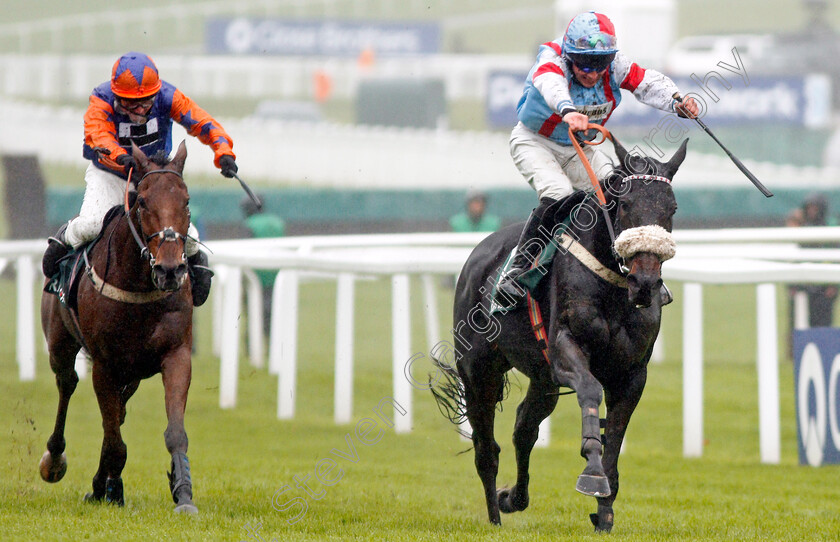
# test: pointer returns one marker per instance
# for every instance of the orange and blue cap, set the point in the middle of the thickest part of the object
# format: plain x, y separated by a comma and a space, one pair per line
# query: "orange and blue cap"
135, 76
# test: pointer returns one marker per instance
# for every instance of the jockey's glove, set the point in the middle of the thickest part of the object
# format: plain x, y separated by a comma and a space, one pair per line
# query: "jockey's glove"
127, 162
228, 165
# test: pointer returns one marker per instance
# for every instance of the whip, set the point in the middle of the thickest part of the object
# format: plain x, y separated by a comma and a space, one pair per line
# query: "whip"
738, 163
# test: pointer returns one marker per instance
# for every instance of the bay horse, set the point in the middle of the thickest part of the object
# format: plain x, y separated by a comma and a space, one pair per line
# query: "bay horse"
602, 314
134, 318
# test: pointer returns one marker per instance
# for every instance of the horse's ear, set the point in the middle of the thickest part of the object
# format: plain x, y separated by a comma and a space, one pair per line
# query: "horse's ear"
139, 157
676, 160
621, 153
180, 157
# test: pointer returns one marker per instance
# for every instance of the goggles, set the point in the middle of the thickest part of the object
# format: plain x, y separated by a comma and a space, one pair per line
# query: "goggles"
599, 41
129, 104
591, 63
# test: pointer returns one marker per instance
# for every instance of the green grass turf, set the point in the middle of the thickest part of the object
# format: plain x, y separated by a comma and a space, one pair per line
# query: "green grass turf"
411, 486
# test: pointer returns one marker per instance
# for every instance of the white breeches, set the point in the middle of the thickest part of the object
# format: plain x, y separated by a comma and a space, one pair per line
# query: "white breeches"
554, 170
103, 190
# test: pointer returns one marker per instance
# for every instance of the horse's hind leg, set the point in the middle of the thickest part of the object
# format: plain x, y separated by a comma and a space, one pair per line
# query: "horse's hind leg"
482, 390
63, 349
176, 372
107, 482
537, 405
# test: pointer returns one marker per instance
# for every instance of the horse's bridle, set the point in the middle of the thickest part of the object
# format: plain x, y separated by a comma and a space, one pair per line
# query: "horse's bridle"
166, 234
617, 251
612, 224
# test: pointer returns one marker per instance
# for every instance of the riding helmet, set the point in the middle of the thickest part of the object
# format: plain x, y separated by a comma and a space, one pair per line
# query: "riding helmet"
135, 76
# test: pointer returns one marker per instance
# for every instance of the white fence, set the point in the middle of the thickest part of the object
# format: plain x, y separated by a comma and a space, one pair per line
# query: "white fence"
701, 260
72, 77
360, 157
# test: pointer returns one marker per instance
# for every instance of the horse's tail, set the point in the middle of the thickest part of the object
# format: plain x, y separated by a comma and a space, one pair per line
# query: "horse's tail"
449, 395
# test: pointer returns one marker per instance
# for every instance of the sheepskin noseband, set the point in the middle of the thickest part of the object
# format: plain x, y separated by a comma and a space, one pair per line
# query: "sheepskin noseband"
653, 238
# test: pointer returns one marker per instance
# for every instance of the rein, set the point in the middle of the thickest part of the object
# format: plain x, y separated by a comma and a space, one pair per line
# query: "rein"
592, 177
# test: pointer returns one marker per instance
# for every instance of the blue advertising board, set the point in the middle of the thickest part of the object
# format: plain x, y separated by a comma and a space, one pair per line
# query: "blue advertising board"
243, 36
816, 355
779, 100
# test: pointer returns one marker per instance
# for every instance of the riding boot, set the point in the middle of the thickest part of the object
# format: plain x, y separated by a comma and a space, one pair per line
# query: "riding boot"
535, 228
200, 276
665, 295
57, 248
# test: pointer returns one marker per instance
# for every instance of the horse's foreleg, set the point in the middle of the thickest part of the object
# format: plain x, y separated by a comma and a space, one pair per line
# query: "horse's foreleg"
107, 482
571, 368
481, 392
537, 405
176, 372
620, 406
54, 462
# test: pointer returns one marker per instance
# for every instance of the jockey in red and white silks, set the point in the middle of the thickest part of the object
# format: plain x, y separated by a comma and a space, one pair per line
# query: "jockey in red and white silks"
576, 80
551, 91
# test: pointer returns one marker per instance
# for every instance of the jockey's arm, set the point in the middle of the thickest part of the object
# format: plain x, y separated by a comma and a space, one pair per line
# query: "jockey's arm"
200, 124
550, 81
100, 133
651, 87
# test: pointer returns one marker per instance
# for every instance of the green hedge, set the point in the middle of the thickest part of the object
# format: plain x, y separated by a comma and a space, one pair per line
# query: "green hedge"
325, 205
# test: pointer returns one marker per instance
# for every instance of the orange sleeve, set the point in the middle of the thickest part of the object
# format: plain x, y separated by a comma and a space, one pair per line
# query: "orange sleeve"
100, 131
200, 124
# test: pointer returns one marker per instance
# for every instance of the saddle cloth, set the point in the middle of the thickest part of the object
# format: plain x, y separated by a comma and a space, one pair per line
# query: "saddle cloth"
65, 283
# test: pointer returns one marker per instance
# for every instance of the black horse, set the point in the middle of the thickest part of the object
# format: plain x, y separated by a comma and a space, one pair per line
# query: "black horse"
601, 324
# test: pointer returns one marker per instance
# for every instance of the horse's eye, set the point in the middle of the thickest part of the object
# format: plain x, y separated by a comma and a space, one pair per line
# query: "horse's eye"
141, 202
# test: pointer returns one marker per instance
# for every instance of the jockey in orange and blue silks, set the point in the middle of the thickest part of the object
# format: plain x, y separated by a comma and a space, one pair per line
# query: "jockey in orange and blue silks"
154, 104
576, 80
136, 106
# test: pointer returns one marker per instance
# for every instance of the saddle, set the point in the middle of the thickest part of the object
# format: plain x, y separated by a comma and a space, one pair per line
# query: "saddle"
65, 283
530, 279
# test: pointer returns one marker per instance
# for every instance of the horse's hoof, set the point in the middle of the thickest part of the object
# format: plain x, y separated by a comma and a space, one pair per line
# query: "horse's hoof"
114, 491
594, 486
52, 471
503, 496
93, 498
600, 526
186, 508
507, 504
